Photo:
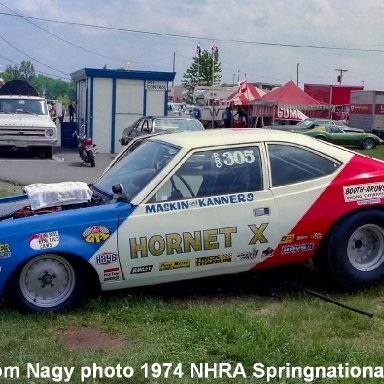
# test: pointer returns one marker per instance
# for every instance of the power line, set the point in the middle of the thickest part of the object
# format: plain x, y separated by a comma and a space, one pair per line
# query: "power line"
175, 35
32, 58
57, 36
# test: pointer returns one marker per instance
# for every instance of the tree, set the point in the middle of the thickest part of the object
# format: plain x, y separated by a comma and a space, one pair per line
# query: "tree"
204, 70
25, 71
52, 89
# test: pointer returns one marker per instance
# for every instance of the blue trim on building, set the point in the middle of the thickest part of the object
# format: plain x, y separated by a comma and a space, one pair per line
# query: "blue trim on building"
166, 102
113, 122
122, 74
145, 101
90, 116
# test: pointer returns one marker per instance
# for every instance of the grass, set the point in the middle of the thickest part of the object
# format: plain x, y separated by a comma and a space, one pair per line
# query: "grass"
238, 325
235, 319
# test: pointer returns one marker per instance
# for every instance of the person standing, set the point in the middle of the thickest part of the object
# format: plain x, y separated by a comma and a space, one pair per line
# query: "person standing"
71, 110
196, 112
227, 117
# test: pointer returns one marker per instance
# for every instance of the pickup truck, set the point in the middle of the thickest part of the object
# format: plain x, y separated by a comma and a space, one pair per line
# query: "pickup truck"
25, 123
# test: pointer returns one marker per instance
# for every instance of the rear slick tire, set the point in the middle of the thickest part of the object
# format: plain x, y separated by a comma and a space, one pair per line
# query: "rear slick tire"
355, 256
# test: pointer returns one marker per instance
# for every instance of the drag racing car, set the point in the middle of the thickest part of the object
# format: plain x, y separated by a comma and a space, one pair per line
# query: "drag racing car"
193, 204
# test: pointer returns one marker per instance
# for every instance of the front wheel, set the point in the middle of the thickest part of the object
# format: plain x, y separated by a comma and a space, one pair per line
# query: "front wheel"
355, 256
46, 283
91, 158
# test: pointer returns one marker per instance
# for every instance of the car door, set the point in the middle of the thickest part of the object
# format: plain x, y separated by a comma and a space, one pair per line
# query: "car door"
211, 215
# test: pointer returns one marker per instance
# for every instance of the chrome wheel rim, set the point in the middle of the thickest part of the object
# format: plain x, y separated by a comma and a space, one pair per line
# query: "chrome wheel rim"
366, 248
47, 281
368, 144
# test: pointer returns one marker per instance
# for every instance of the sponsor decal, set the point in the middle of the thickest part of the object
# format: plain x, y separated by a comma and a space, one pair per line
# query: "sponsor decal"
186, 242
106, 258
371, 201
168, 265
112, 274
141, 269
314, 236
44, 240
199, 203
363, 192
267, 252
247, 255
296, 248
5, 250
208, 260
287, 239
96, 234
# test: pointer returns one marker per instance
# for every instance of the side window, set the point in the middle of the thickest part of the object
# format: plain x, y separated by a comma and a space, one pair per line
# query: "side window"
218, 172
290, 164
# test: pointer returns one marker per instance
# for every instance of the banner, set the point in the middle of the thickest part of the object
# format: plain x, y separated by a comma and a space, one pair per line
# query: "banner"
242, 86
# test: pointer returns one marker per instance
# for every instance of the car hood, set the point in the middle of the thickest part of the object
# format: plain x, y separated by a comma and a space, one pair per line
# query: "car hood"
23, 120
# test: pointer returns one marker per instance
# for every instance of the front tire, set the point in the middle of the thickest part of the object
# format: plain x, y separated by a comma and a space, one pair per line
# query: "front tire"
47, 283
355, 255
48, 152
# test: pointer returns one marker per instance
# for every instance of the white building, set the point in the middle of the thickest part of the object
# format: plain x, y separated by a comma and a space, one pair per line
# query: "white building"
110, 100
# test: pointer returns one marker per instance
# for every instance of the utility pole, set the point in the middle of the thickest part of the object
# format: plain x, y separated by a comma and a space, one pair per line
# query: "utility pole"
233, 78
340, 77
297, 74
173, 67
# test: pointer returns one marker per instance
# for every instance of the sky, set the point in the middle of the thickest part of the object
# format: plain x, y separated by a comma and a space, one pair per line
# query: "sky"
269, 41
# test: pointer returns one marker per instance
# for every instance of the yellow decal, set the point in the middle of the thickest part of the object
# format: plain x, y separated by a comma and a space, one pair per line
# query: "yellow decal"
258, 233
175, 243
287, 239
207, 260
96, 234
168, 265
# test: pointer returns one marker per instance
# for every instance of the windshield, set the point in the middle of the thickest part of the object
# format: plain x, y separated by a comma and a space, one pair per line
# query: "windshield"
30, 106
136, 167
162, 125
305, 123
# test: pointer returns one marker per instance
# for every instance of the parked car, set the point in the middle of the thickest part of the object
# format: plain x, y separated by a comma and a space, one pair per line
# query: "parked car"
315, 122
154, 124
336, 135
195, 204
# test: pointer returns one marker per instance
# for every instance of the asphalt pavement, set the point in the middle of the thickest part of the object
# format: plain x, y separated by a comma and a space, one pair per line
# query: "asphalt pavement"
66, 165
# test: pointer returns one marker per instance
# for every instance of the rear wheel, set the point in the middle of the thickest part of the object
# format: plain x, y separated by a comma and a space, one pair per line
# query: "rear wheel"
368, 143
322, 138
355, 254
47, 283
91, 158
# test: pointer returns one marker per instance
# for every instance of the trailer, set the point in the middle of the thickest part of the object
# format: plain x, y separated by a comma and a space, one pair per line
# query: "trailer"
367, 111
210, 99
338, 96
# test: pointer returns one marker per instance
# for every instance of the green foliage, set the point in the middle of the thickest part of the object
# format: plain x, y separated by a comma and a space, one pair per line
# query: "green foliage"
204, 70
52, 89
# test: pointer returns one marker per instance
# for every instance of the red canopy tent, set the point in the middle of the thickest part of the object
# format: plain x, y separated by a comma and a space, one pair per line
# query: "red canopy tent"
291, 96
244, 98
285, 103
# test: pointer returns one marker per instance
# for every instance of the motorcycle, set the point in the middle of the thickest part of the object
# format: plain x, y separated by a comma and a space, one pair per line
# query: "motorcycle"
87, 149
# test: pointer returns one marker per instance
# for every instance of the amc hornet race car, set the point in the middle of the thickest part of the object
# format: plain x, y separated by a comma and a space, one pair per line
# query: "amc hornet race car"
195, 204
